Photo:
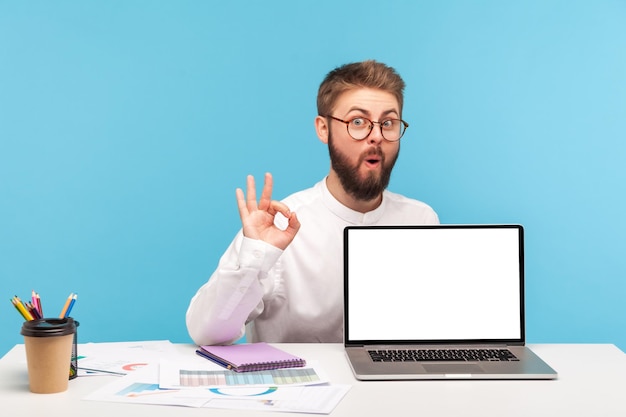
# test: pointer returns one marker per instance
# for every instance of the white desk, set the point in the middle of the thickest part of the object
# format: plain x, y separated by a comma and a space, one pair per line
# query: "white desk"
592, 382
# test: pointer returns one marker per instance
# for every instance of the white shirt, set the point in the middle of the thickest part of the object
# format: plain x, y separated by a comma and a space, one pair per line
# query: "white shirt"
295, 295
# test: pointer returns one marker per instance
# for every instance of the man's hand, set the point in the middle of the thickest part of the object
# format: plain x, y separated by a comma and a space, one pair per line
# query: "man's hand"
258, 219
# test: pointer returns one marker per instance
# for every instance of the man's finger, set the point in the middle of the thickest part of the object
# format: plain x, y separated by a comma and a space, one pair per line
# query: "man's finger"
251, 193
266, 194
278, 207
294, 224
241, 203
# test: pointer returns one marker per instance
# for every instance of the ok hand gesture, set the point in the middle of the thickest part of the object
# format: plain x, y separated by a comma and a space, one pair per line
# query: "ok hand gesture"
258, 219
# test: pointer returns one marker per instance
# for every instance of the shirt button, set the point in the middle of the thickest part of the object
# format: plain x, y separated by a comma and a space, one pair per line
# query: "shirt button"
257, 254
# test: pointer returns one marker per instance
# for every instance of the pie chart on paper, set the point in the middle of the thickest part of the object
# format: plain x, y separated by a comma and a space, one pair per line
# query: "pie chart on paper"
133, 366
244, 392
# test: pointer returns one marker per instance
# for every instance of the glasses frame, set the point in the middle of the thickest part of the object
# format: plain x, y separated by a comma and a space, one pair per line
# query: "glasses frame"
372, 123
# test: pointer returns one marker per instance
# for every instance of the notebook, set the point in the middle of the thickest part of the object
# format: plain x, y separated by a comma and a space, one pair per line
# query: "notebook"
437, 302
250, 357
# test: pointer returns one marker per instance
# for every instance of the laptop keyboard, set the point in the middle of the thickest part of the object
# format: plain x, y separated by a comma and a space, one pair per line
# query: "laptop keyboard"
441, 355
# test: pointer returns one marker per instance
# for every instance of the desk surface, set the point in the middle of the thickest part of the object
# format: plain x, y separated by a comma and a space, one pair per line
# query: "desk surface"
592, 382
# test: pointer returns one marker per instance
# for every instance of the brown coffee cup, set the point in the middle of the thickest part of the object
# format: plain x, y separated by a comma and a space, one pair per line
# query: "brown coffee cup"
48, 343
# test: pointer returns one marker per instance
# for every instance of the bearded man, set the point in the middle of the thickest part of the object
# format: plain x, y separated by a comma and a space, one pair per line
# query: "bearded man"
281, 278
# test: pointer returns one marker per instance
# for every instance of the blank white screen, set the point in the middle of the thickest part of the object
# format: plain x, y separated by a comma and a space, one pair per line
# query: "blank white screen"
434, 284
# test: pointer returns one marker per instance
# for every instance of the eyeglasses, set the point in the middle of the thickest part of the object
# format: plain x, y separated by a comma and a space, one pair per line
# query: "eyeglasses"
359, 128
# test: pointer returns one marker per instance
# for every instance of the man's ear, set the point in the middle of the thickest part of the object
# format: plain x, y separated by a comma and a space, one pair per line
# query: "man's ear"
322, 128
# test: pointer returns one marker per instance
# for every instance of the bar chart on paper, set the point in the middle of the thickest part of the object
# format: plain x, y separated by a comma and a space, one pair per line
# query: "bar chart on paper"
285, 376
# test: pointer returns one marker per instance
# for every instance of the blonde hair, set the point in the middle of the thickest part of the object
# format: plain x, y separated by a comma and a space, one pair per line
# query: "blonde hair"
365, 74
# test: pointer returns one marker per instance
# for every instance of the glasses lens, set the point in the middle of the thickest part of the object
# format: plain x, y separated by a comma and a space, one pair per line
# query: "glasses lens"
392, 129
359, 128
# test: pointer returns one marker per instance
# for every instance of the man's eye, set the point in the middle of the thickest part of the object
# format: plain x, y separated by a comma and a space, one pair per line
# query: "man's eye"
388, 124
358, 122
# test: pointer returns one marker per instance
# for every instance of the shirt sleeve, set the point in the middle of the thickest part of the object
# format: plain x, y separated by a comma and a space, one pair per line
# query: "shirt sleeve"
233, 295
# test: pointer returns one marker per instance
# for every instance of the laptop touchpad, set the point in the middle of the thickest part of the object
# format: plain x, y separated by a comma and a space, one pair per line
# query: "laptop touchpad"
452, 368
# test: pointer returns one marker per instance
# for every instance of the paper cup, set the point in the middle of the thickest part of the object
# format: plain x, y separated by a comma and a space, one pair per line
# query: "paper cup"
48, 344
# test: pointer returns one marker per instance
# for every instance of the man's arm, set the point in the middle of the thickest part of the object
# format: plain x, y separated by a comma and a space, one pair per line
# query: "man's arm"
233, 295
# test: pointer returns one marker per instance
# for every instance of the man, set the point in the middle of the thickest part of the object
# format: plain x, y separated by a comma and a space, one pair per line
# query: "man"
281, 279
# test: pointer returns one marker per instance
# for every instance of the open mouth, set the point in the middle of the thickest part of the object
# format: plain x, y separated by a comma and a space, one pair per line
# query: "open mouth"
372, 160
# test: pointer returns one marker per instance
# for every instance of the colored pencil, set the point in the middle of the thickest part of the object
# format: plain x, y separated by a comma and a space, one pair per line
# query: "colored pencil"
37, 303
38, 298
21, 308
69, 309
66, 306
17, 308
33, 310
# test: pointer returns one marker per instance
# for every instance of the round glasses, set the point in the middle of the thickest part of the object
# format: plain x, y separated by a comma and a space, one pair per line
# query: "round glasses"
359, 128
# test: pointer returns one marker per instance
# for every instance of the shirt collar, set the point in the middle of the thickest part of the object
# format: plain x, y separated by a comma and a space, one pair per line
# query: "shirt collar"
351, 216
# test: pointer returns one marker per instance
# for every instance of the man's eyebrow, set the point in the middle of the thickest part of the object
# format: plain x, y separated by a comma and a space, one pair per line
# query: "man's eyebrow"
368, 114
355, 108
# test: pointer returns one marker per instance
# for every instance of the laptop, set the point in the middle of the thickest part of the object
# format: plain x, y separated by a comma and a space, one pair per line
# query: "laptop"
437, 302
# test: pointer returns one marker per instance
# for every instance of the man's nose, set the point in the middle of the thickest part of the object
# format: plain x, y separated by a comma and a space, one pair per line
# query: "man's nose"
376, 134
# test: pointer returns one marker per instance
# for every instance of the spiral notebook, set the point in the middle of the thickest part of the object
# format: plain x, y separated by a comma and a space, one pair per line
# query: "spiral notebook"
248, 357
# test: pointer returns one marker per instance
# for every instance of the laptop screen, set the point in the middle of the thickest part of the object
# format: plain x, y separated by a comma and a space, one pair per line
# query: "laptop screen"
433, 284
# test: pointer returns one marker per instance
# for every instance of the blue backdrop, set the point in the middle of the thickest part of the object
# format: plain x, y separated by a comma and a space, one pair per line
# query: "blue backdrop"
125, 127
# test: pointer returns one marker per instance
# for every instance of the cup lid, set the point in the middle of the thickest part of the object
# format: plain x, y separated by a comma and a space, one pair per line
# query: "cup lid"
48, 327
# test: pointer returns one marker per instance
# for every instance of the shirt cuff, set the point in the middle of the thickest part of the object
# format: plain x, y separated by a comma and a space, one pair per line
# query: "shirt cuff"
257, 254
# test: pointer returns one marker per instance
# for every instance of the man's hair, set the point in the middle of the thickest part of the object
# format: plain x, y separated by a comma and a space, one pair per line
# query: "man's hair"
366, 74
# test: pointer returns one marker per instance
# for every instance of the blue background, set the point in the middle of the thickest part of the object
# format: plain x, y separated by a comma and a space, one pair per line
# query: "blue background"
125, 127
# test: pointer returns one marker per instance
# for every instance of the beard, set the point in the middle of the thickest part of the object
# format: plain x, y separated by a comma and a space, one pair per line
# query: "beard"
364, 189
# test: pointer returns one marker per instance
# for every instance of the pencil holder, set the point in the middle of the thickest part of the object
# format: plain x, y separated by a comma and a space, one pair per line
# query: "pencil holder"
74, 360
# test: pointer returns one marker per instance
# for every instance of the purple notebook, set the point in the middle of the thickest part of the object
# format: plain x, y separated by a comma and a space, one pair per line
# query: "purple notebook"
250, 357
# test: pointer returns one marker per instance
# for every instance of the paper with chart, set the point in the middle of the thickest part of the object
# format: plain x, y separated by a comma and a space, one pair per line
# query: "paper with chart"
142, 387
205, 374
121, 358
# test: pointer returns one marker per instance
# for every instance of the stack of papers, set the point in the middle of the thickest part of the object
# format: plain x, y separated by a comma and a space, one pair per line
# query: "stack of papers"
155, 373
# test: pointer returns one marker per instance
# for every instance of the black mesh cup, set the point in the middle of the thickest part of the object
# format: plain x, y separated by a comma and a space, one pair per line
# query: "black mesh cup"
74, 361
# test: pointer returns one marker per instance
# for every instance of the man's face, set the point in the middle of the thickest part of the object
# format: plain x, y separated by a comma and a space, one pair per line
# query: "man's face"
363, 167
